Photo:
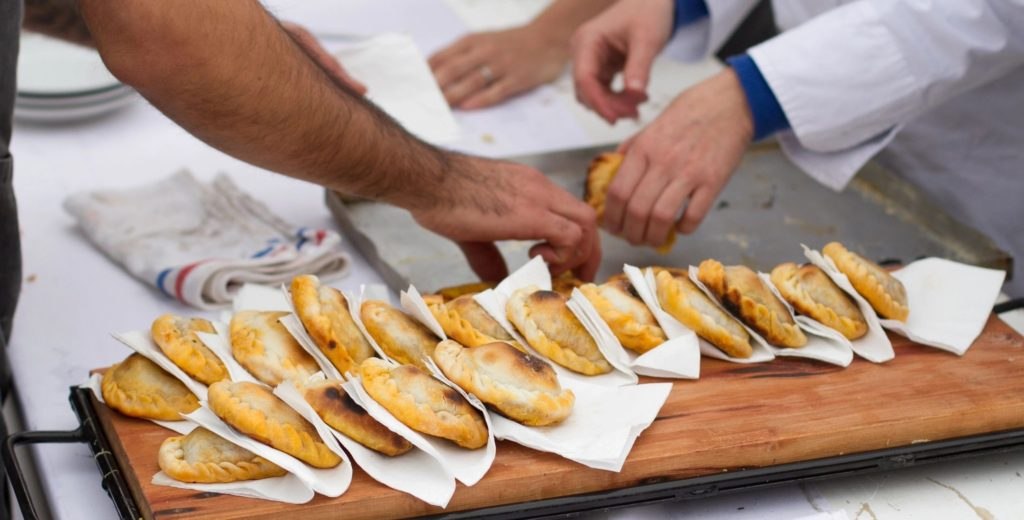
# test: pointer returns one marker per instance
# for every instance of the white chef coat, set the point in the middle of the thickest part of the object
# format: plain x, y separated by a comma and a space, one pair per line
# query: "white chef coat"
935, 88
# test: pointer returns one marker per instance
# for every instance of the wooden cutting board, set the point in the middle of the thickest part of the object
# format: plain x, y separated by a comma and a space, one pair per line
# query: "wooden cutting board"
734, 417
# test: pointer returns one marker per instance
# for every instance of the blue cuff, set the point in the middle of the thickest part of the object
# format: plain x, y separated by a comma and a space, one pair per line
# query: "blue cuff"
764, 106
689, 11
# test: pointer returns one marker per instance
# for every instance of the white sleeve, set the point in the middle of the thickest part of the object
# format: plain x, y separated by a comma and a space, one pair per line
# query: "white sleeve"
700, 39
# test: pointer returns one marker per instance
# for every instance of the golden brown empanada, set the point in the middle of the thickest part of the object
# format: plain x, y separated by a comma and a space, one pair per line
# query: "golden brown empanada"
626, 315
340, 412
885, 294
177, 338
262, 345
424, 403
745, 295
324, 312
140, 388
465, 321
205, 458
522, 387
602, 171
254, 410
810, 291
686, 303
547, 324
564, 284
403, 338
450, 293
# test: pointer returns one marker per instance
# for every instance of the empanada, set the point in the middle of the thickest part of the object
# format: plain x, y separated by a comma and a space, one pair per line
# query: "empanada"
626, 315
743, 292
262, 345
340, 412
324, 312
465, 321
403, 338
450, 293
205, 458
885, 294
599, 177
564, 284
810, 291
424, 403
522, 387
254, 410
547, 324
177, 338
140, 388
686, 303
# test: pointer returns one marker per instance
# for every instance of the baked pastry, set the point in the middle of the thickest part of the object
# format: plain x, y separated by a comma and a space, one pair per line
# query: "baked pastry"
599, 177
810, 291
340, 412
682, 299
626, 315
885, 294
177, 338
564, 284
547, 324
267, 350
522, 387
324, 312
424, 403
254, 410
746, 295
403, 338
450, 293
138, 387
204, 457
465, 321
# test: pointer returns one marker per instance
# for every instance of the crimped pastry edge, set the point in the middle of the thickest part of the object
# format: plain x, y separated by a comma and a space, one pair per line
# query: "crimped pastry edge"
171, 462
872, 289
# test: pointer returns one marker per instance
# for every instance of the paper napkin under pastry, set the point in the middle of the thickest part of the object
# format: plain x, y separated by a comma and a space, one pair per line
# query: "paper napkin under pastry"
199, 242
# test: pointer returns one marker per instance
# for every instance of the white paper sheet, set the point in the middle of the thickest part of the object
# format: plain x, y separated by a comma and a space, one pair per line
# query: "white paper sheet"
823, 344
762, 350
94, 383
254, 297
220, 345
355, 304
142, 342
606, 341
288, 488
294, 326
413, 304
679, 356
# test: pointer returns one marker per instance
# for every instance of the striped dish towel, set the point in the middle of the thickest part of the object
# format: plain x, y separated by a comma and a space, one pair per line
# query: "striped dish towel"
198, 243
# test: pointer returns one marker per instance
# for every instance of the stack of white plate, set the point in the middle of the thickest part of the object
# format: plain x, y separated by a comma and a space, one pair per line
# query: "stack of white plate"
63, 82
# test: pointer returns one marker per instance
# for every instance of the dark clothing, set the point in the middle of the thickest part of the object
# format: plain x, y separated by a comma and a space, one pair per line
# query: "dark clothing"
10, 243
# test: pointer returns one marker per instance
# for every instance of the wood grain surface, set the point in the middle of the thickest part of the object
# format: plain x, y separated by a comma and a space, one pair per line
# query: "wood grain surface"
734, 417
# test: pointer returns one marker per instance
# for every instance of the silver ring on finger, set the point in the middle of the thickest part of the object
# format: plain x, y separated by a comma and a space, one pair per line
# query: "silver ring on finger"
487, 74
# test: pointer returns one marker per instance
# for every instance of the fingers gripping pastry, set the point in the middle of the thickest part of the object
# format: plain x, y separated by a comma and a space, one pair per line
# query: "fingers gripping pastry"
340, 412
138, 387
450, 293
177, 338
686, 303
267, 350
203, 457
599, 177
743, 292
255, 411
885, 294
465, 321
550, 327
520, 386
324, 312
403, 338
628, 317
424, 403
810, 291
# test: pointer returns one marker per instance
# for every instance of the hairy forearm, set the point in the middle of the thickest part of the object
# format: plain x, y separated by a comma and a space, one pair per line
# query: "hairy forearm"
562, 17
57, 18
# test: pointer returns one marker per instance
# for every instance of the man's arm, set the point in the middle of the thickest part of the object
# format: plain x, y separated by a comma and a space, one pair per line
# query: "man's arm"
57, 18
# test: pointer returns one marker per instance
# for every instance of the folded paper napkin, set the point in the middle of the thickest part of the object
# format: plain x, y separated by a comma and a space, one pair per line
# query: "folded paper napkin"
199, 243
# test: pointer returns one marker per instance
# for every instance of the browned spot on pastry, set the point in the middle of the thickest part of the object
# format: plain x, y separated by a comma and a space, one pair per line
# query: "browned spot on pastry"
541, 296
534, 363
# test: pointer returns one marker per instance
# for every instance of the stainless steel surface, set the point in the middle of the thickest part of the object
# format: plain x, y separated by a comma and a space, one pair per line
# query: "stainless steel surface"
761, 218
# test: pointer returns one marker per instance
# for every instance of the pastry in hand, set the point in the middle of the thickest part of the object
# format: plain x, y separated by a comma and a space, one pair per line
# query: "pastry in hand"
254, 410
547, 324
202, 457
138, 387
261, 344
885, 293
682, 299
522, 387
403, 338
746, 295
465, 321
423, 403
324, 312
811, 292
450, 293
340, 412
626, 315
177, 338
602, 171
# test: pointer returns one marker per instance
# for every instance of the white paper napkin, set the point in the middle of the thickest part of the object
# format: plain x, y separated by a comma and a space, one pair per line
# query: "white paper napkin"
94, 383
679, 356
256, 297
607, 343
220, 345
288, 488
142, 342
355, 305
823, 343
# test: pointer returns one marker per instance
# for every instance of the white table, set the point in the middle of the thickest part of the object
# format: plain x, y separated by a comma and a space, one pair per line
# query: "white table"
73, 297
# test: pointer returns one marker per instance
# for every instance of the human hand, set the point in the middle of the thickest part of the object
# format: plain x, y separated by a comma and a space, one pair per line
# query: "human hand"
483, 69
683, 158
625, 38
496, 200
329, 63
